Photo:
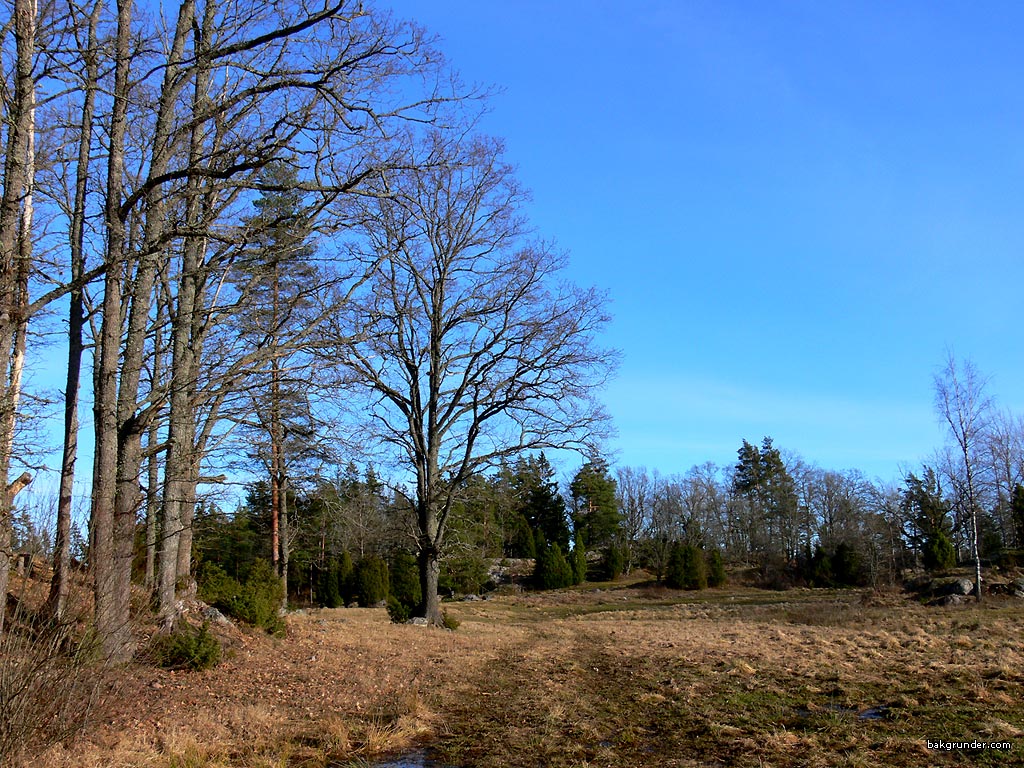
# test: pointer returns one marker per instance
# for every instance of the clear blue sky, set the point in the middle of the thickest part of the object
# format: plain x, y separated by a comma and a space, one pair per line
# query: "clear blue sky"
796, 207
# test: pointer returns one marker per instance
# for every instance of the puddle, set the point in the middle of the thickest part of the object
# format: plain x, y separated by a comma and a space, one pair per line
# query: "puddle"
416, 759
871, 713
874, 713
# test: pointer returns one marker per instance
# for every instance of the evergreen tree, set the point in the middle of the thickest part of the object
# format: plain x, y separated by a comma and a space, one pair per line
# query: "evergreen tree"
614, 561
1017, 511
938, 553
694, 570
579, 561
762, 480
371, 580
552, 570
929, 517
716, 569
675, 576
595, 506
538, 500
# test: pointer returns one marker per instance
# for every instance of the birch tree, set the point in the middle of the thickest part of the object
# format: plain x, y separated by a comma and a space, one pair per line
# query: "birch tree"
963, 405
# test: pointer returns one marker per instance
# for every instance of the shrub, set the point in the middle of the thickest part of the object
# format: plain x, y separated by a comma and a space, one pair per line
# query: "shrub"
404, 577
820, 569
186, 648
399, 611
329, 593
716, 569
405, 586
371, 581
463, 575
694, 571
614, 561
521, 542
449, 622
346, 578
552, 570
49, 682
256, 602
579, 561
938, 554
846, 565
686, 568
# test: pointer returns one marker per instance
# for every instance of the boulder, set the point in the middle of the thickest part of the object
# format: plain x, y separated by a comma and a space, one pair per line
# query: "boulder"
418, 621
214, 616
947, 600
962, 586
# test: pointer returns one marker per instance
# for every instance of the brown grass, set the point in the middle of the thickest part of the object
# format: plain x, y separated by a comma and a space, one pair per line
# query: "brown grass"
634, 676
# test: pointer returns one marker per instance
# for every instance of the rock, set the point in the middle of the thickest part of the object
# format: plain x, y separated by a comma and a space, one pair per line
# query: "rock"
1017, 587
214, 616
418, 621
471, 598
961, 587
946, 600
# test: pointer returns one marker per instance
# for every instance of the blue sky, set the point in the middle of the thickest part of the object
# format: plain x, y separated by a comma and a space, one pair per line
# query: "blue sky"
796, 208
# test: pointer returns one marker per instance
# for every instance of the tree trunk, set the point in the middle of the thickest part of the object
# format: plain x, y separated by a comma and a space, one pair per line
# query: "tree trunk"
430, 570
15, 209
112, 611
285, 541
57, 601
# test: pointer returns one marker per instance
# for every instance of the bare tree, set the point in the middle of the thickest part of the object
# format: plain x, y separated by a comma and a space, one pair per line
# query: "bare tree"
635, 489
16, 206
75, 214
1005, 459
961, 402
466, 345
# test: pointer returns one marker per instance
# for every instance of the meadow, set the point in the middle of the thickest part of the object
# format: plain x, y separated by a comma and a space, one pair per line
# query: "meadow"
617, 675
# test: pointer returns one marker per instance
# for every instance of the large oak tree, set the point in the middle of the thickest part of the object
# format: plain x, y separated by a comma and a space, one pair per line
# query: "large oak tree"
468, 345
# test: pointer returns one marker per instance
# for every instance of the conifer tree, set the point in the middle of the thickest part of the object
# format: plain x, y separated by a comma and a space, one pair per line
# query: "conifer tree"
579, 561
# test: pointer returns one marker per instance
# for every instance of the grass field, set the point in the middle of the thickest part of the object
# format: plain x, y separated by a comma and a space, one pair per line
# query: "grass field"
622, 676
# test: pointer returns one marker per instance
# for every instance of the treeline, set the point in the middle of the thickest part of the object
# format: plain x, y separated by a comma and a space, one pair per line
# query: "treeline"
771, 515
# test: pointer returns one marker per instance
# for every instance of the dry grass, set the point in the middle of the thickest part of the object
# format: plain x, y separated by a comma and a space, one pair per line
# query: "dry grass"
634, 676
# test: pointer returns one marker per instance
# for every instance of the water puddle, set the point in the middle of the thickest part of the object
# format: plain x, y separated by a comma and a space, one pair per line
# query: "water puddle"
418, 758
881, 712
874, 713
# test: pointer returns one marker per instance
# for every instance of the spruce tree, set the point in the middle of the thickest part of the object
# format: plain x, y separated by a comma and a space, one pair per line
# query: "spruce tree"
595, 507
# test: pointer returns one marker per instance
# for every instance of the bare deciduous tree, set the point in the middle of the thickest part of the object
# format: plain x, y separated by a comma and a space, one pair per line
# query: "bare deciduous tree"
466, 344
963, 405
